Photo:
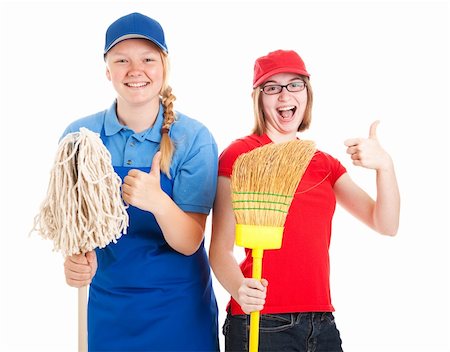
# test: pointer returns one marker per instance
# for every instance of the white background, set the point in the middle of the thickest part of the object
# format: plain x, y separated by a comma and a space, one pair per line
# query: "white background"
383, 60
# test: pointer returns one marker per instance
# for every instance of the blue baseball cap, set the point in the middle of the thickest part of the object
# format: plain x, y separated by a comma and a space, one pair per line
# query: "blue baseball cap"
133, 26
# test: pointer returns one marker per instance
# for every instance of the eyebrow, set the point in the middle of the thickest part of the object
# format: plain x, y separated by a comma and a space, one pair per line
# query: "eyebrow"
291, 80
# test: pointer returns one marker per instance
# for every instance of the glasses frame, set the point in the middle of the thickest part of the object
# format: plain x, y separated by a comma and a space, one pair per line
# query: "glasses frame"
283, 86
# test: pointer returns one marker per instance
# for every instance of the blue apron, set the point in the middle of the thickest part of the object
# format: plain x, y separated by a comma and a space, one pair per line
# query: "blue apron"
146, 296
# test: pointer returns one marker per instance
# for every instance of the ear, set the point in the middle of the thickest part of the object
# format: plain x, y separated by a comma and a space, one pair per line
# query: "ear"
108, 74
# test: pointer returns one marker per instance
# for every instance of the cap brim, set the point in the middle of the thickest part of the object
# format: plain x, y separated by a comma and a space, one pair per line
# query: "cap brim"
135, 36
279, 70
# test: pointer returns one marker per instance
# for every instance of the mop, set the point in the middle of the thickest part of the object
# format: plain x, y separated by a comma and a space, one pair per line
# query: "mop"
263, 183
83, 209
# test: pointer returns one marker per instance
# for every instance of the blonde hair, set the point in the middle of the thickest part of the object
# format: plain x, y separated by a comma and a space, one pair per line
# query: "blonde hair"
260, 126
167, 146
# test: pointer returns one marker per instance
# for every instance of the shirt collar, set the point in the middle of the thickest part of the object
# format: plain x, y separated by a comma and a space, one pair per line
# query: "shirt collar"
113, 126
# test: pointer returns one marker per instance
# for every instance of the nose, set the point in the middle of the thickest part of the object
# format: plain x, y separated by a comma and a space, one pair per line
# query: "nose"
135, 69
284, 94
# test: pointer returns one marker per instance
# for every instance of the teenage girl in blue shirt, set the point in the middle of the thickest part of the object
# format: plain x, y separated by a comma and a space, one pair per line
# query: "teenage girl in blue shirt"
152, 290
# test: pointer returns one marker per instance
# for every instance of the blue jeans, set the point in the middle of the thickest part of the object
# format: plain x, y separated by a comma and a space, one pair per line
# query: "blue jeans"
306, 332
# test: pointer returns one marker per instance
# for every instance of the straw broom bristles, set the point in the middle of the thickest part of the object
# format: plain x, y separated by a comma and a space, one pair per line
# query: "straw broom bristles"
83, 208
264, 181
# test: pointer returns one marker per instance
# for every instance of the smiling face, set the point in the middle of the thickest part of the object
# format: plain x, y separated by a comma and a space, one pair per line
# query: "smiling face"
283, 112
135, 69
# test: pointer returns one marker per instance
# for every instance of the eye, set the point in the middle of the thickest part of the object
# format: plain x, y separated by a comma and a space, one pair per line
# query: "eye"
121, 61
272, 88
299, 84
149, 59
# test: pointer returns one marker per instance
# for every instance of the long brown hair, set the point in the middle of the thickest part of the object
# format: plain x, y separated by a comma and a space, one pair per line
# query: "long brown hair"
260, 126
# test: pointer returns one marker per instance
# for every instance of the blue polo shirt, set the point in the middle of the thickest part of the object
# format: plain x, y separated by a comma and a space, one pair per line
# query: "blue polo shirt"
194, 165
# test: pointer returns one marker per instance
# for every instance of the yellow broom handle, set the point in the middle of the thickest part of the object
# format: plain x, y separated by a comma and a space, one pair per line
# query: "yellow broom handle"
257, 255
82, 319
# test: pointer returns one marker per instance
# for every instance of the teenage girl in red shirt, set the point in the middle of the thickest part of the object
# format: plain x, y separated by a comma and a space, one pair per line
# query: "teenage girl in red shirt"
296, 311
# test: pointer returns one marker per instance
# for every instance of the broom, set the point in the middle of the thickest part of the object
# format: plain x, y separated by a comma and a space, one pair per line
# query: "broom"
263, 183
83, 208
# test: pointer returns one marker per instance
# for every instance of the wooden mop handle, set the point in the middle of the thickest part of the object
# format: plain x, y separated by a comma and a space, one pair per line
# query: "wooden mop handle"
257, 255
82, 319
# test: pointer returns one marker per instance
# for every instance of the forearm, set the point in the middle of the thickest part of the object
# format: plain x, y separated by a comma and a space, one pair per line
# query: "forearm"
181, 230
221, 255
386, 212
226, 269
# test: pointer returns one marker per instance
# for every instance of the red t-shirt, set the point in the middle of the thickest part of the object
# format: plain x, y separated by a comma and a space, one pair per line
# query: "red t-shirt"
299, 272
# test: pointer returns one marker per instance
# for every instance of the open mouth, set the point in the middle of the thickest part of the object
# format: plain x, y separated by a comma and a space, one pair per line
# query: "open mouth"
287, 112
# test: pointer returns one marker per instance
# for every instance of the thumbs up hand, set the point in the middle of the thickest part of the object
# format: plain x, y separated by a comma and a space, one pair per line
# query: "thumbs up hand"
142, 189
367, 152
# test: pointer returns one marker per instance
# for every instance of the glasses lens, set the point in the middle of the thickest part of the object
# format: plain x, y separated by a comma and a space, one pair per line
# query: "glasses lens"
272, 89
296, 86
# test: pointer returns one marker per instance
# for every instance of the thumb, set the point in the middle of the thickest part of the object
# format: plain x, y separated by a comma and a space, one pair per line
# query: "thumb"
155, 169
373, 129
91, 257
264, 282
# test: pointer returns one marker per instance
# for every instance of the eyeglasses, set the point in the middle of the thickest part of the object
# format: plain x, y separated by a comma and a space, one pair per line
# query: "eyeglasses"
272, 89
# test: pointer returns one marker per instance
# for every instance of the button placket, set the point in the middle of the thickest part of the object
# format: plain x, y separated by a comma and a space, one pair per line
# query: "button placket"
130, 151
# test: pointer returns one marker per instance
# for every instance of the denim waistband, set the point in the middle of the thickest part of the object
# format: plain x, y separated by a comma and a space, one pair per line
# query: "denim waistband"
297, 316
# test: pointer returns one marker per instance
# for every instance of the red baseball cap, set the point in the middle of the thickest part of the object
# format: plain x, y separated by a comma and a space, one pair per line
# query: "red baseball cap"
277, 62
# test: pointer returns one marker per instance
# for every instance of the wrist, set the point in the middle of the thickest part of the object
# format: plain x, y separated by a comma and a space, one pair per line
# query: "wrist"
160, 205
387, 165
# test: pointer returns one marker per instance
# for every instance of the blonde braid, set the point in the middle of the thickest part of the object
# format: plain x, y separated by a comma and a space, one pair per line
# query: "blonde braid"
167, 147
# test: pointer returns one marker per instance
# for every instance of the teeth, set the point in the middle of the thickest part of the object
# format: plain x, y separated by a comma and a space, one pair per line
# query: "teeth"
286, 108
136, 85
